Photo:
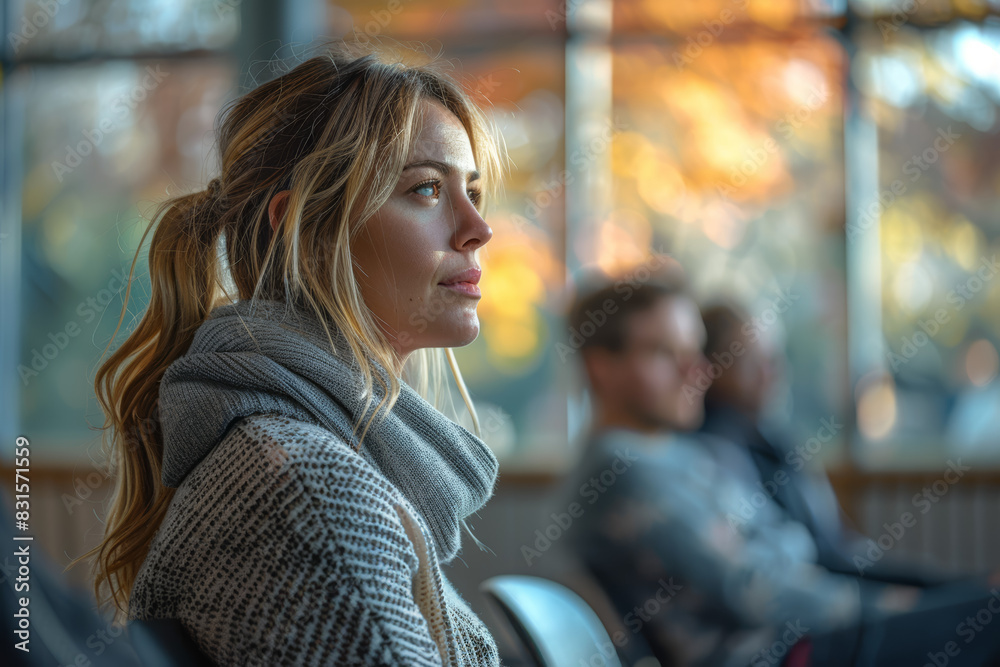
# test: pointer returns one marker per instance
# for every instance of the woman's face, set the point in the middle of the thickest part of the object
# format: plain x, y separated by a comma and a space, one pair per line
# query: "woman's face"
416, 258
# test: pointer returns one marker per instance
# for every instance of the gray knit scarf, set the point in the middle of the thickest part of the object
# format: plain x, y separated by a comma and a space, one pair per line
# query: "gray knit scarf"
287, 368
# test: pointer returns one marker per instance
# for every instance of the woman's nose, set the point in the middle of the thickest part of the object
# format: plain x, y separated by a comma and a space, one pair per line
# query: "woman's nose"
471, 227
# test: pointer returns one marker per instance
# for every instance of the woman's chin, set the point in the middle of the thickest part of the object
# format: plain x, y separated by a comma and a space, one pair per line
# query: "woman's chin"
466, 338
464, 332
457, 330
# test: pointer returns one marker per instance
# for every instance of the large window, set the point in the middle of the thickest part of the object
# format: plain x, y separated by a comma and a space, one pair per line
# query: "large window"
730, 158
108, 106
924, 235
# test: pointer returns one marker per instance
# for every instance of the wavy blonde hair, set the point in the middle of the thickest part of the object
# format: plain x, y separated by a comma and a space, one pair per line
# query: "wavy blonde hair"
335, 130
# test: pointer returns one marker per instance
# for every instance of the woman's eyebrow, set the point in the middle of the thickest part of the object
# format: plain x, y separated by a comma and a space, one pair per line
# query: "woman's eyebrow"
443, 167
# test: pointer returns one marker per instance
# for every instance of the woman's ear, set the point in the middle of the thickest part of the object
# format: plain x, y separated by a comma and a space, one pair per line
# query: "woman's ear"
276, 209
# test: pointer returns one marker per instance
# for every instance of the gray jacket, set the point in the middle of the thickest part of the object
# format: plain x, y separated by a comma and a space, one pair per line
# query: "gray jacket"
695, 555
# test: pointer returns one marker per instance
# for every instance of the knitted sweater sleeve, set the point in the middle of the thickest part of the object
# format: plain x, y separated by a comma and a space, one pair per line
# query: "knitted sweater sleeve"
364, 590
289, 551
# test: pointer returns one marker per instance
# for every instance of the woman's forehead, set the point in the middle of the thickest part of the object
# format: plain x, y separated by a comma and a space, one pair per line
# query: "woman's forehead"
442, 137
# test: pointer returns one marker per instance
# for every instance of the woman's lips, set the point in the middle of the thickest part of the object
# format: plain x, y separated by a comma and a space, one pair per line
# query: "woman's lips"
470, 289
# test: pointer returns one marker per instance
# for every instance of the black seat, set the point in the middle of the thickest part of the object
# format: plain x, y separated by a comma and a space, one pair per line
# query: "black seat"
164, 642
59, 621
62, 626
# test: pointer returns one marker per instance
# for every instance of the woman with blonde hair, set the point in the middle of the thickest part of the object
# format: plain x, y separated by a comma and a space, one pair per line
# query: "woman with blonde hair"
340, 242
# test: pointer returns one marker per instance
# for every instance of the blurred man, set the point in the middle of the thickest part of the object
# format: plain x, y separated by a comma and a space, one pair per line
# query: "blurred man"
698, 561
734, 405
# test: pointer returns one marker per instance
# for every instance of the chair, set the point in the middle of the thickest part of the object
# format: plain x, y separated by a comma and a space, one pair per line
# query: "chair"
555, 624
64, 628
633, 649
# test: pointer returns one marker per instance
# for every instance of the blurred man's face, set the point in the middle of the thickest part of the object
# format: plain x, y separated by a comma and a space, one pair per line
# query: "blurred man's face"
748, 383
653, 380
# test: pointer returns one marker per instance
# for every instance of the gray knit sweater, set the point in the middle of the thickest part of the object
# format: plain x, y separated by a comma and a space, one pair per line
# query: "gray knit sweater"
286, 544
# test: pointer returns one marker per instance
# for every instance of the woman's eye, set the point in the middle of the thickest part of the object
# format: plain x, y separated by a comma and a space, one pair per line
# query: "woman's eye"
428, 189
474, 196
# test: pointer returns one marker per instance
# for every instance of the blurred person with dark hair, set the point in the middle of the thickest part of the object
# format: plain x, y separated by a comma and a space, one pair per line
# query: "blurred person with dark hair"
734, 408
654, 512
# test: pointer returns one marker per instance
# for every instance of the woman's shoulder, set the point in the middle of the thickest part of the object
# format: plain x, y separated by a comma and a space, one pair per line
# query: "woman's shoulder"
280, 475
284, 458
274, 481
276, 447
285, 523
